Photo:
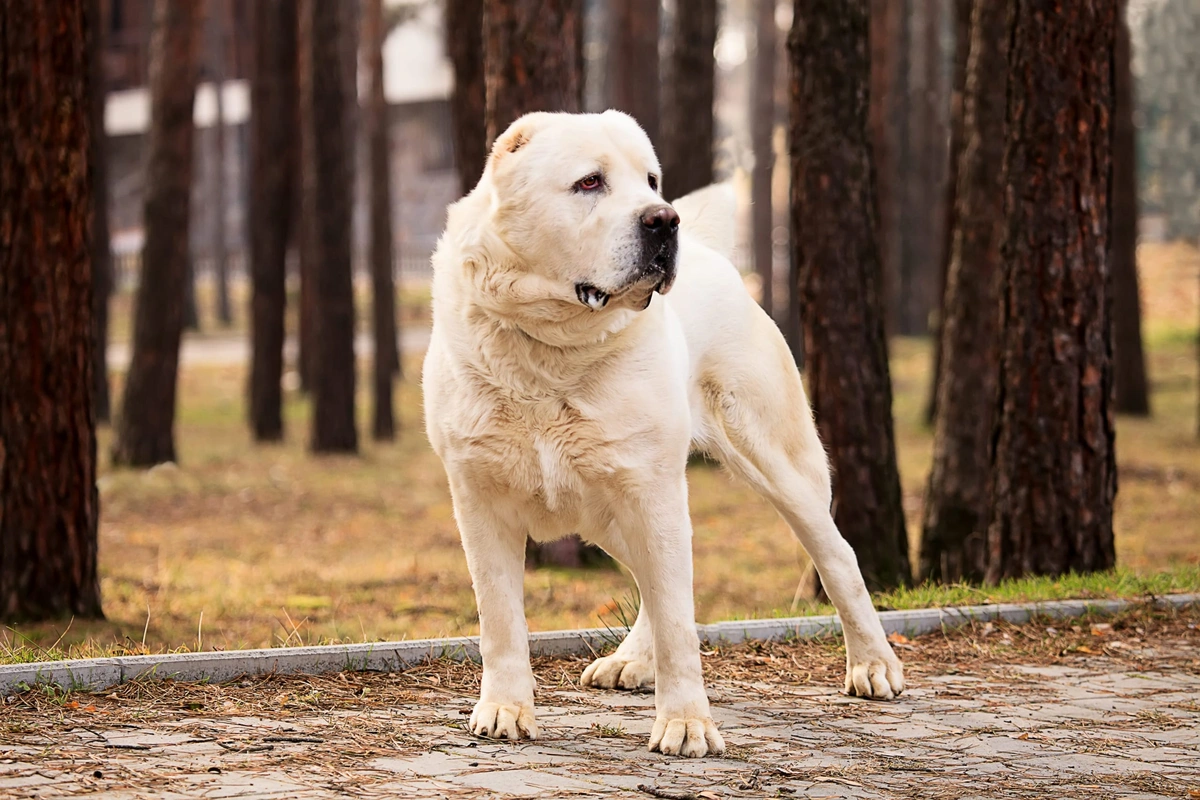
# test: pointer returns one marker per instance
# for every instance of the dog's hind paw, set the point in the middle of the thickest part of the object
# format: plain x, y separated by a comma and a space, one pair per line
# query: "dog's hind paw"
690, 738
876, 679
616, 672
499, 721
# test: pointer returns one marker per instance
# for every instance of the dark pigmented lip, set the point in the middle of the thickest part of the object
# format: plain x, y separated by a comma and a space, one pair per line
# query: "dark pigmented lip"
590, 296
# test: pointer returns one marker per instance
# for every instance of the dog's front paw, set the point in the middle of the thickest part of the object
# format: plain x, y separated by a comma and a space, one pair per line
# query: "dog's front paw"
502, 721
692, 737
617, 672
877, 677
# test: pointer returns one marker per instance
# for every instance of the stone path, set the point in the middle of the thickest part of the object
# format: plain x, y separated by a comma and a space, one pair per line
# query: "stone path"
1108, 713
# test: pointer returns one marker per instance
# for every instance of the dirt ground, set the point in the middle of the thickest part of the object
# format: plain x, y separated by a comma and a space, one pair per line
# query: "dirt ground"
1107, 707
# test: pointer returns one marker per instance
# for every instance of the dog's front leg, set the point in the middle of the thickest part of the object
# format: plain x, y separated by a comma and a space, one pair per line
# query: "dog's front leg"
658, 543
495, 548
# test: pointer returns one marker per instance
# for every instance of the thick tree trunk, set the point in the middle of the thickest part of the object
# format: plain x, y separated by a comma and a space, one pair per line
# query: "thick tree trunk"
327, 197
49, 506
834, 243
220, 238
762, 135
1129, 367
102, 266
687, 140
888, 119
383, 291
962, 47
464, 43
274, 158
957, 500
145, 431
517, 33
1052, 464
633, 63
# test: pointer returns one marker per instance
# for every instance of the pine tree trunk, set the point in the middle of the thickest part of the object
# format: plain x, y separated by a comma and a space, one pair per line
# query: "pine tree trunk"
327, 197
888, 117
634, 74
383, 291
962, 47
517, 33
957, 499
464, 43
274, 158
834, 243
102, 266
1052, 463
220, 195
305, 236
687, 141
762, 134
145, 430
1129, 367
49, 506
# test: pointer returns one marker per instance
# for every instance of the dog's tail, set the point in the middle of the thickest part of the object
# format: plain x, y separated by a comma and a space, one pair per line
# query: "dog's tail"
708, 215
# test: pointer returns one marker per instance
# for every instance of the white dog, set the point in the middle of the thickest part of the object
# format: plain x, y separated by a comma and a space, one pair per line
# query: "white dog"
563, 391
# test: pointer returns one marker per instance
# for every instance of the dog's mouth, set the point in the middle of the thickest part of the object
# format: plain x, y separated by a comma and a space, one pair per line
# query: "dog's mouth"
590, 296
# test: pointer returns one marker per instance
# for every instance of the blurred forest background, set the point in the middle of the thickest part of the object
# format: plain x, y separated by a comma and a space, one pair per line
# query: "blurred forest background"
272, 177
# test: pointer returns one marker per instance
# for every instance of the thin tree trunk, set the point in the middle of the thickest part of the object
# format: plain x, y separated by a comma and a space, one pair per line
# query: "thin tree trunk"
145, 431
305, 237
49, 506
549, 33
634, 75
464, 43
957, 500
274, 158
889, 103
762, 134
102, 265
1052, 463
1129, 367
688, 138
962, 46
327, 179
834, 243
191, 308
383, 290
220, 195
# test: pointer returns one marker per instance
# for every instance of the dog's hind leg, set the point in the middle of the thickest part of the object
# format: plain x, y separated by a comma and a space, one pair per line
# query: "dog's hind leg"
631, 666
758, 423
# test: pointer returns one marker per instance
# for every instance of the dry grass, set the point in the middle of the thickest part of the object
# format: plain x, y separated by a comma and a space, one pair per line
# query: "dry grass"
244, 546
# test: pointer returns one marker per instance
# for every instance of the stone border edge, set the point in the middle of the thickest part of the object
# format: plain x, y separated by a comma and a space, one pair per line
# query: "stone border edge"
95, 674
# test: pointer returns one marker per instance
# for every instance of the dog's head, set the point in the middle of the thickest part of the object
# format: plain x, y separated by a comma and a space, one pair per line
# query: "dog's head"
576, 199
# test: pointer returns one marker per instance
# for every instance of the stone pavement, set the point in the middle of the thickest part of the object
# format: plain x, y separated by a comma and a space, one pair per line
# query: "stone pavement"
1108, 720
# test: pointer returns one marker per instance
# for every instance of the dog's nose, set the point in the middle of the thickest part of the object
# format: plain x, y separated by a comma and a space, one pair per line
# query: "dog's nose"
660, 219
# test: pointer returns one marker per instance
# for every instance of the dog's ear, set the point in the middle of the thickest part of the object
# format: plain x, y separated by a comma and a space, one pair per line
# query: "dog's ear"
516, 136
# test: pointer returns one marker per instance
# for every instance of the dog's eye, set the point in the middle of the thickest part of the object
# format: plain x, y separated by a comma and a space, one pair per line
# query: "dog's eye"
589, 184
653, 182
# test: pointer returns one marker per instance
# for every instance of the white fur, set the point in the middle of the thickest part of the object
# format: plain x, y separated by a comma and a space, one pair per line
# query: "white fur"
555, 418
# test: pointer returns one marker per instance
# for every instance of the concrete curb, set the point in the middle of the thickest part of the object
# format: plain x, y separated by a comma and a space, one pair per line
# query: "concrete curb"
100, 673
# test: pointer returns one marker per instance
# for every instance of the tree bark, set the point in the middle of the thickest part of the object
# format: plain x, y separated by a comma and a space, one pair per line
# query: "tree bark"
888, 118
957, 499
464, 43
327, 201
688, 139
1052, 463
102, 266
217, 31
762, 134
274, 158
1129, 367
533, 59
145, 430
634, 75
49, 506
962, 47
834, 243
383, 291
